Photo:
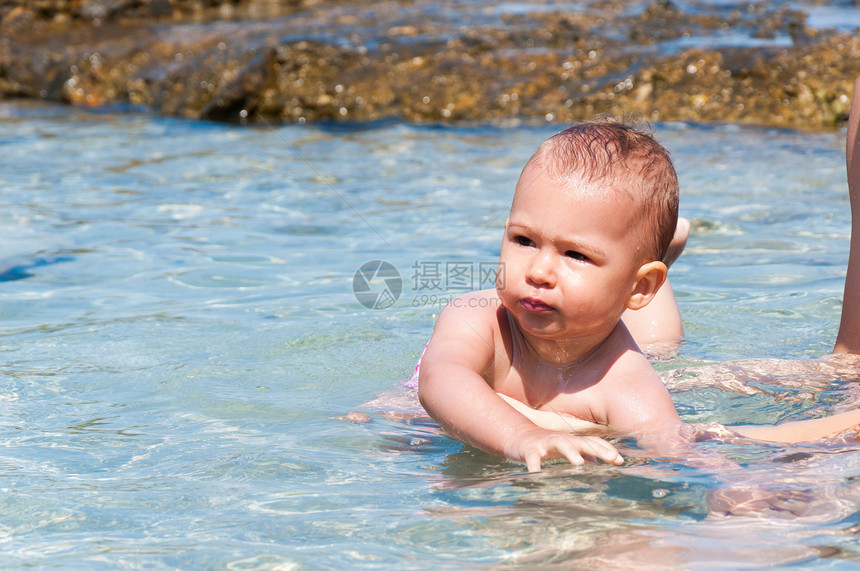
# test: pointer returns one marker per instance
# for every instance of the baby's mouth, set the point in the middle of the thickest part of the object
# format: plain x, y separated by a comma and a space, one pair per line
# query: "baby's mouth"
535, 305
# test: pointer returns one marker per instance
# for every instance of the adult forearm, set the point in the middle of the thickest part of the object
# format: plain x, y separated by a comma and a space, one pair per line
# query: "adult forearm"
803, 430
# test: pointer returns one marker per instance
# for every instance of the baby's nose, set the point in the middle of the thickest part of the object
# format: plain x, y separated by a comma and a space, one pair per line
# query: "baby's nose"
541, 271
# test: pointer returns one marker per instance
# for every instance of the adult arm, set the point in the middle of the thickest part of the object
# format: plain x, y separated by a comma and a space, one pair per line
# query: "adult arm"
848, 339
802, 430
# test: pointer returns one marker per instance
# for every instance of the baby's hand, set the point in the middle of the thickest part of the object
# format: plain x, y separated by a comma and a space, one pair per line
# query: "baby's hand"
533, 446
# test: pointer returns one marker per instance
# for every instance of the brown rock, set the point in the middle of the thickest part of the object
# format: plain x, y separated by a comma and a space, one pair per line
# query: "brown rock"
325, 60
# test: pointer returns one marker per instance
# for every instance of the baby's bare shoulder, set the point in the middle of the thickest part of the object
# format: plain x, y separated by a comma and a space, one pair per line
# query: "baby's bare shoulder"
467, 328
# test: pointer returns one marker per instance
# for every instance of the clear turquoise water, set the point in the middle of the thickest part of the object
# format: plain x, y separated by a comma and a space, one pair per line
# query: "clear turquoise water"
178, 333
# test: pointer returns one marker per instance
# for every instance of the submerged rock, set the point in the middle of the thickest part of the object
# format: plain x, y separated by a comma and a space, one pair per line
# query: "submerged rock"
322, 60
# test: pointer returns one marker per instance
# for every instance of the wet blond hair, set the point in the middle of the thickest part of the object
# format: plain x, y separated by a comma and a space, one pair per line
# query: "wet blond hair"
606, 148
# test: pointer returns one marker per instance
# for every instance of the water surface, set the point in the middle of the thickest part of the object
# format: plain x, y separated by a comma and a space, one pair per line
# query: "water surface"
179, 334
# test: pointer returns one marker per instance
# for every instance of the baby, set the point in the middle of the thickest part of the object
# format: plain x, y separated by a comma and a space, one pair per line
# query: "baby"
592, 217
527, 370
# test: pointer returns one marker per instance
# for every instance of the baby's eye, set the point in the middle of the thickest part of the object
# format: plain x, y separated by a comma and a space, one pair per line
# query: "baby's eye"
576, 255
523, 241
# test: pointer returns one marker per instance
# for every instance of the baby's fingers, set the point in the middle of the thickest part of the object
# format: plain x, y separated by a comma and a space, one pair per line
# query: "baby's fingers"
533, 460
599, 448
567, 448
576, 449
556, 446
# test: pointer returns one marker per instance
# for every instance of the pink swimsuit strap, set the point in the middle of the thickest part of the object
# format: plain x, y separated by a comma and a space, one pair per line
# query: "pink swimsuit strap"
412, 383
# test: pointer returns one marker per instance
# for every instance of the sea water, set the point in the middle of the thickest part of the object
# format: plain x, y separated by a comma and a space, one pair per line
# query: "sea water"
181, 341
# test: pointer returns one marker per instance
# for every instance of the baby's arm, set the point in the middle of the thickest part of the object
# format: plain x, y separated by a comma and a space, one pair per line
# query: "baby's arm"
639, 405
453, 392
848, 339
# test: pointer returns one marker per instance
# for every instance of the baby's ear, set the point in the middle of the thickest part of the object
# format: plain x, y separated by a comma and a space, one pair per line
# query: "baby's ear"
649, 278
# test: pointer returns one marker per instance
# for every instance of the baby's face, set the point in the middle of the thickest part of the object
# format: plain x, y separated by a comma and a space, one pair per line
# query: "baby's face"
569, 256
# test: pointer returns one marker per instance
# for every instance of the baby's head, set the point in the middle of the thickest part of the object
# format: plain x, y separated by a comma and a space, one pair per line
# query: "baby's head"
593, 213
620, 162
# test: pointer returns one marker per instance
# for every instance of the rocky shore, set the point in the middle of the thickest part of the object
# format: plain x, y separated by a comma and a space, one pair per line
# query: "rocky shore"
310, 60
